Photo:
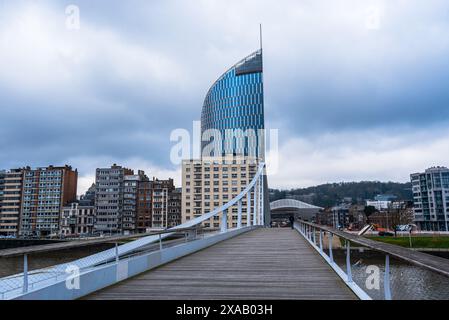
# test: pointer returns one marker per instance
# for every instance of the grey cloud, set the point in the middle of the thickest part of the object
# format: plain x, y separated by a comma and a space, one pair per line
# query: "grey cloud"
324, 72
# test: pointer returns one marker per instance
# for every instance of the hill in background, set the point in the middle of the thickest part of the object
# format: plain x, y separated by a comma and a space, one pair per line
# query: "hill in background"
328, 195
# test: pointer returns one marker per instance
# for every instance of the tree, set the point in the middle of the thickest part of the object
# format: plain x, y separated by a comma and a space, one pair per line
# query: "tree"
369, 210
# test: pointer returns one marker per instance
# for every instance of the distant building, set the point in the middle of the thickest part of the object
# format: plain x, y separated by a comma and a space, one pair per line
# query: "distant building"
162, 189
174, 207
209, 184
325, 217
130, 201
233, 108
340, 216
144, 206
357, 217
88, 199
398, 213
431, 199
45, 192
385, 197
11, 184
77, 220
159, 205
379, 204
109, 194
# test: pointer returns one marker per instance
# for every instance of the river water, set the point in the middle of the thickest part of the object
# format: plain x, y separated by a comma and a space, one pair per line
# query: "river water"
14, 265
408, 282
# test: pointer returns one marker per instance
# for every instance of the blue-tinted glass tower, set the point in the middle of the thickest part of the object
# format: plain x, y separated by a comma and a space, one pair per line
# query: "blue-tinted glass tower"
234, 107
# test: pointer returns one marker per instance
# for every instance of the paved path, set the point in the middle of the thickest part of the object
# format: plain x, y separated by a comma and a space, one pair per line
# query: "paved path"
262, 264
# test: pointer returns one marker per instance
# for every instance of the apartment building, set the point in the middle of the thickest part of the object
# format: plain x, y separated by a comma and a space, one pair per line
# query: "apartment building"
130, 200
128, 203
159, 205
77, 220
211, 183
174, 207
431, 199
160, 202
45, 191
11, 183
109, 195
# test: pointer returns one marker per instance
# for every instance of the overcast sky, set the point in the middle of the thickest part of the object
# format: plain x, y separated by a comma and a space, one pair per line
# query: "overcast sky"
357, 89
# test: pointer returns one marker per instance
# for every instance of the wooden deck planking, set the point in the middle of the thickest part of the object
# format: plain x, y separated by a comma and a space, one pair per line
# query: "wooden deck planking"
262, 264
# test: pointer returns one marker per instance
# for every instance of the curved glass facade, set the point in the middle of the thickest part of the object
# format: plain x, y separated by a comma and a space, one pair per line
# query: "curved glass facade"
234, 108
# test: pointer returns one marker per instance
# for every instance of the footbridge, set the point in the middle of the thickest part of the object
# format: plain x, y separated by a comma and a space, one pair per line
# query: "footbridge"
248, 261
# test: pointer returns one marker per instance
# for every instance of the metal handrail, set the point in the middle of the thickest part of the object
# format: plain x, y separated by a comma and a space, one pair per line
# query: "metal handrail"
433, 263
14, 252
309, 231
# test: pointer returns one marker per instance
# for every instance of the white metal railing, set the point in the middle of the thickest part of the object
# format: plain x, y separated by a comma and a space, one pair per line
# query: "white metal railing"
19, 284
380, 254
309, 232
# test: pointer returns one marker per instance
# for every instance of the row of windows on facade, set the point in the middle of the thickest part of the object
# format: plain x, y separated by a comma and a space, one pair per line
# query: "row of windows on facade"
217, 176
216, 183
215, 196
110, 172
224, 169
245, 106
242, 122
43, 173
230, 80
206, 204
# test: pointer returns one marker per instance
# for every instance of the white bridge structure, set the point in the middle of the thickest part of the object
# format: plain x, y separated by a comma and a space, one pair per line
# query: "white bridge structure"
248, 261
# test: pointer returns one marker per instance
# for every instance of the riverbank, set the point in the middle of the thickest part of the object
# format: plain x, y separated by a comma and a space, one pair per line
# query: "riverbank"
426, 242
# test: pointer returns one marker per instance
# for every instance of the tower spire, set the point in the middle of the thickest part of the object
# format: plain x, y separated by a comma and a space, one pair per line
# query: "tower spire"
260, 32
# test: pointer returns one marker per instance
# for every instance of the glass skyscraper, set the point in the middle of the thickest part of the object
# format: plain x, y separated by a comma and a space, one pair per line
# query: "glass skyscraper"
232, 118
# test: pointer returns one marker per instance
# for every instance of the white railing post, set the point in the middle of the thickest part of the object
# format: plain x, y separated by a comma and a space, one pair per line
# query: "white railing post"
224, 221
314, 235
248, 208
25, 273
258, 201
262, 202
239, 217
116, 252
348, 260
321, 241
160, 242
331, 256
387, 289
255, 205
